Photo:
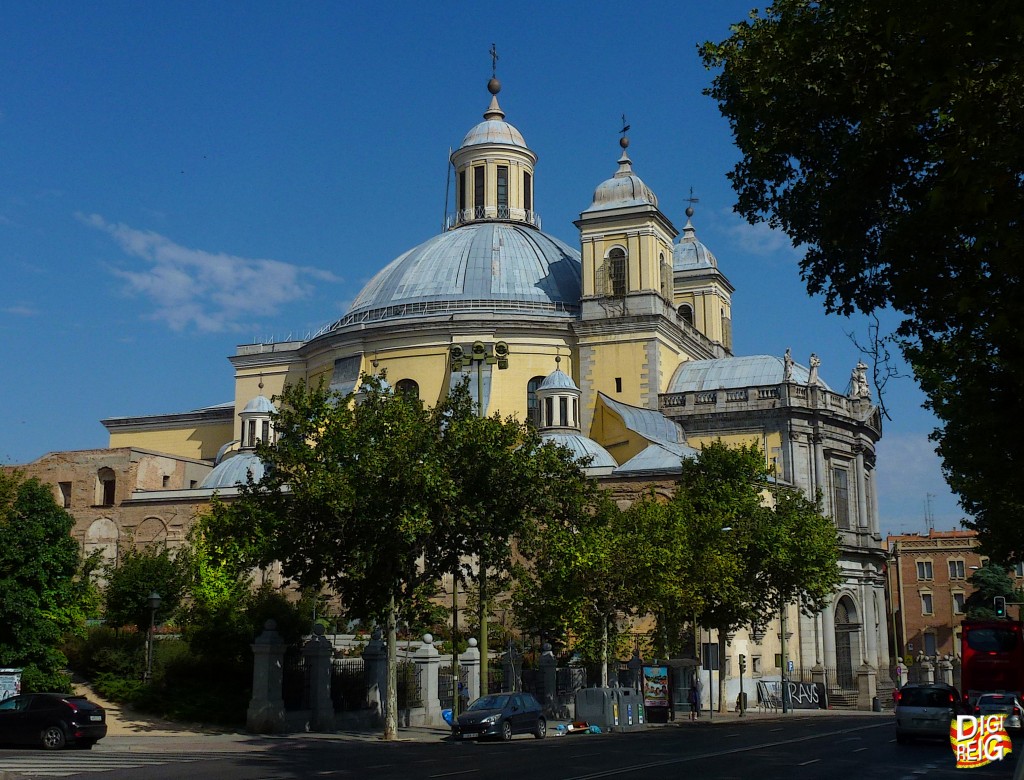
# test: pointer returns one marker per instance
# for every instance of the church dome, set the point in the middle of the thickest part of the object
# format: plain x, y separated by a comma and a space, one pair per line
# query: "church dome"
696, 376
494, 131
558, 380
259, 405
690, 254
234, 471
502, 267
624, 189
601, 462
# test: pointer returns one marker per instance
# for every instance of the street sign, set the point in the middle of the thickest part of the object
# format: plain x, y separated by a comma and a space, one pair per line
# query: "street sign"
790, 666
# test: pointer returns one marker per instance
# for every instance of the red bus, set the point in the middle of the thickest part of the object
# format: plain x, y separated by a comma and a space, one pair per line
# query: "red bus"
992, 658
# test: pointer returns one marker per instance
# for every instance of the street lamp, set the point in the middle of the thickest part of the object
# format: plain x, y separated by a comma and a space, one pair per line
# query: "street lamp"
154, 605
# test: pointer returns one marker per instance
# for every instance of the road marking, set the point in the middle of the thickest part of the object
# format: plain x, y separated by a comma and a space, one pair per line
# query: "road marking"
808, 763
859, 749
719, 753
778, 729
452, 774
76, 761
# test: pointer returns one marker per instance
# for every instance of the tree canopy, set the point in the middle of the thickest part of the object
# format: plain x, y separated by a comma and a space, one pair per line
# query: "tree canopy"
41, 595
137, 574
377, 497
989, 581
883, 138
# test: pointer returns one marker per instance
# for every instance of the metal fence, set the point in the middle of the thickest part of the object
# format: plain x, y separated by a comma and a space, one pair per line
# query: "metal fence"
348, 684
409, 692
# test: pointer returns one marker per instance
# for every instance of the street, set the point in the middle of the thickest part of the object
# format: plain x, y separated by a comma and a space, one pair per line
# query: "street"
793, 747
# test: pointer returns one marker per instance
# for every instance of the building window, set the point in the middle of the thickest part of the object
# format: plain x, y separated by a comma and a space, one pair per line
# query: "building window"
958, 604
1018, 570
193, 484
461, 194
503, 187
618, 384
166, 482
755, 665
563, 412
65, 494
407, 387
841, 497
686, 312
926, 603
478, 189
265, 432
532, 402
617, 272
929, 644
778, 660
527, 191
549, 411
956, 570
105, 487
252, 435
924, 570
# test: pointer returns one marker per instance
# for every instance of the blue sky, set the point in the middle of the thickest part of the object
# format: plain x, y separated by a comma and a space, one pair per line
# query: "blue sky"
180, 178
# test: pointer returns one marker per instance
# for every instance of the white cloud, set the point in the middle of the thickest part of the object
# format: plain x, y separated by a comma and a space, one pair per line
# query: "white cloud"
757, 239
207, 290
910, 484
20, 310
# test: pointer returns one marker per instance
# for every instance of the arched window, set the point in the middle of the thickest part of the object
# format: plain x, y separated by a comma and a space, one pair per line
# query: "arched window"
106, 484
617, 272
532, 403
686, 312
407, 387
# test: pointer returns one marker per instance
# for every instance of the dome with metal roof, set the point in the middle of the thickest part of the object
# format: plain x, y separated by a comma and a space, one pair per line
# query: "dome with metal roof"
557, 380
494, 129
259, 405
234, 471
736, 372
690, 253
502, 267
624, 189
601, 462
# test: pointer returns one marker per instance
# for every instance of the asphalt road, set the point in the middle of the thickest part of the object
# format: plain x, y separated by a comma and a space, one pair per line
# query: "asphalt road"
793, 747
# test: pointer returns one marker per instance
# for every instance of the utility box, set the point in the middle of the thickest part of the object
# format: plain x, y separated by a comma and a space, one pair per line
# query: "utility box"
611, 709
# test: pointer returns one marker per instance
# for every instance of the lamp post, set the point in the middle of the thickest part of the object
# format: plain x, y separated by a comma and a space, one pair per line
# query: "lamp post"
154, 605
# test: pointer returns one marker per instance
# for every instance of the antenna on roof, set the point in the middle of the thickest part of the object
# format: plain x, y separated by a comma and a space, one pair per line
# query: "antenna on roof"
447, 186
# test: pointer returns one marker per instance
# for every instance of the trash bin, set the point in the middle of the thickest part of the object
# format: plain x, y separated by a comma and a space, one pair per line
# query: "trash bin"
630, 708
876, 705
597, 706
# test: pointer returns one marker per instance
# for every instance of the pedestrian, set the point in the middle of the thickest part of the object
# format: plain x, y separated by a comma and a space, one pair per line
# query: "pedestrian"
698, 683
694, 702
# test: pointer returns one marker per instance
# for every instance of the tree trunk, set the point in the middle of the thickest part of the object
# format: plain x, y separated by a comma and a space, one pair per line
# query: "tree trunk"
391, 700
484, 674
604, 651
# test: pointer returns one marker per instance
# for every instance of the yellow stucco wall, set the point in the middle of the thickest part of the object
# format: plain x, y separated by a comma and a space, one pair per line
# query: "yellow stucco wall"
199, 442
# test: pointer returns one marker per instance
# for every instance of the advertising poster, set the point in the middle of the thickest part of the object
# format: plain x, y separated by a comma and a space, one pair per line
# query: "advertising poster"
10, 683
655, 686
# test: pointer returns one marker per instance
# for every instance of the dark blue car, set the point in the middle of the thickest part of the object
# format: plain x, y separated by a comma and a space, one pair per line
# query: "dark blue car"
501, 715
51, 720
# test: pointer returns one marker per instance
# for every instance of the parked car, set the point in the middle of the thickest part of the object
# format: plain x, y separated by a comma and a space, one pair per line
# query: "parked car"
52, 720
501, 715
925, 710
1001, 704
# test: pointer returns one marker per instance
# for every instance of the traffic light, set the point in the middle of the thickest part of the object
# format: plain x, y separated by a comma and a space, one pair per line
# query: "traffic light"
743, 663
999, 604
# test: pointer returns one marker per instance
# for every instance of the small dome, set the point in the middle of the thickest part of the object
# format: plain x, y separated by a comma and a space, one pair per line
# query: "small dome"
494, 131
259, 405
583, 447
558, 380
624, 189
234, 471
689, 253
736, 372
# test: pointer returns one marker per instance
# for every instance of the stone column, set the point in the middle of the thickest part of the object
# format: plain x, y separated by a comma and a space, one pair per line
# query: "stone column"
470, 661
862, 497
866, 686
548, 664
874, 502
266, 707
867, 599
828, 634
375, 672
820, 482
318, 653
883, 627
428, 660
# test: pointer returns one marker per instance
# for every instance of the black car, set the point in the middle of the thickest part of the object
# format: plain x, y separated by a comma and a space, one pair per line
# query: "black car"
501, 715
52, 720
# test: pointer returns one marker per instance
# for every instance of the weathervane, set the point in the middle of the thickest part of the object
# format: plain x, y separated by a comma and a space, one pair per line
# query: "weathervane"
494, 61
691, 200
625, 127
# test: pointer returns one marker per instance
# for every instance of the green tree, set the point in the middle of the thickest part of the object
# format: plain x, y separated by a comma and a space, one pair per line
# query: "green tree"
884, 139
989, 581
137, 574
377, 500
42, 596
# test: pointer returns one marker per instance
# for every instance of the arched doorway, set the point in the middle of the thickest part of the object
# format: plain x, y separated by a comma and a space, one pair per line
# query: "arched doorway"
847, 629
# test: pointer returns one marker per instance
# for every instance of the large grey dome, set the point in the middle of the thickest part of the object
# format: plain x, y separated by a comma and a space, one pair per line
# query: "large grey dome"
485, 267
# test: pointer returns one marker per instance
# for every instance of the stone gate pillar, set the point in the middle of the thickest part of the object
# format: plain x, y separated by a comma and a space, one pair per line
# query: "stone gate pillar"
266, 707
318, 653
548, 665
375, 672
470, 661
428, 661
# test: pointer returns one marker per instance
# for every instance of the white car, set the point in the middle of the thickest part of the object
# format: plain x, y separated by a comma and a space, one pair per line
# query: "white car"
1001, 704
